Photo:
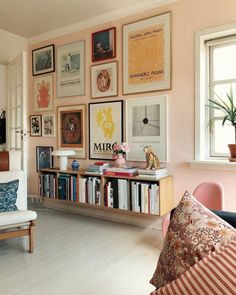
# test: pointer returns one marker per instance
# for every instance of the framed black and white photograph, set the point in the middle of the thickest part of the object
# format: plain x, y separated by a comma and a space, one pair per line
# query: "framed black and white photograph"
71, 69
43, 60
146, 124
104, 80
36, 125
105, 128
44, 158
48, 125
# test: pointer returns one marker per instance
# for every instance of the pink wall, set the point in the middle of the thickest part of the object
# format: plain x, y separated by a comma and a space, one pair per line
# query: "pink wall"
187, 18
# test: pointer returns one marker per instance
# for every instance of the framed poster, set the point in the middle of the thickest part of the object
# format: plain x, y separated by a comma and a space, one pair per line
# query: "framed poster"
104, 44
146, 55
71, 69
48, 125
71, 129
44, 159
105, 128
146, 124
36, 125
104, 80
43, 93
43, 60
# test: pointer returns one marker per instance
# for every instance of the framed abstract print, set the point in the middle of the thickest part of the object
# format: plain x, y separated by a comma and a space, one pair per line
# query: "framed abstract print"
105, 128
147, 55
104, 80
104, 44
146, 124
43, 60
71, 128
48, 125
36, 125
71, 69
43, 93
44, 158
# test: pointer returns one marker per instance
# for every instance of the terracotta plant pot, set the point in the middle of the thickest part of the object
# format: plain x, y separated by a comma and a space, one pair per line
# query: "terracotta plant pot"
232, 148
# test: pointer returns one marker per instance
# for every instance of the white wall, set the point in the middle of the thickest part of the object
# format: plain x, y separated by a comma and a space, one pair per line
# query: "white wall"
2, 88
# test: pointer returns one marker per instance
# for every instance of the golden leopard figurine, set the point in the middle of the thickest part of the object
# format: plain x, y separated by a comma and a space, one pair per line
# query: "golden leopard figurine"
152, 160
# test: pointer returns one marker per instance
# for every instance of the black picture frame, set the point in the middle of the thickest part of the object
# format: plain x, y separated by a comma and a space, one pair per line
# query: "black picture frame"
35, 125
44, 158
43, 60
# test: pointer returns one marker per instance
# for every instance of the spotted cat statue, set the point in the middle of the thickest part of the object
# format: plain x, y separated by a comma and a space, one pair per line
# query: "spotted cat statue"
153, 162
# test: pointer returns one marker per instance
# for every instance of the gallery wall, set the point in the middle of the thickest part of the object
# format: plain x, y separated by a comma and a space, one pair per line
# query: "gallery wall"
188, 17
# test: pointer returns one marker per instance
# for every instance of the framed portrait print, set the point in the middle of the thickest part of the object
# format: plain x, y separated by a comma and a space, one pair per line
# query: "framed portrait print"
146, 124
104, 44
104, 80
36, 125
48, 125
44, 157
71, 128
43, 93
105, 128
43, 60
147, 55
71, 69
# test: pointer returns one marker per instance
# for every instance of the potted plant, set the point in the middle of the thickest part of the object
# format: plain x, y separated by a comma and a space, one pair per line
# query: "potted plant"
228, 109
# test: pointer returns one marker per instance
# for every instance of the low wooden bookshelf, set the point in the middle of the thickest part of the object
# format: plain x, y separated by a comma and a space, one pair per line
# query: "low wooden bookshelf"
132, 195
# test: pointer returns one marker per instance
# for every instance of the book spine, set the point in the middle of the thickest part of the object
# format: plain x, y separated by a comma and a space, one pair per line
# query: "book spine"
117, 173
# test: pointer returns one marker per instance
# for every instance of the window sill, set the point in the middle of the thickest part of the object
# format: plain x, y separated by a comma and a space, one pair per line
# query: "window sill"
213, 165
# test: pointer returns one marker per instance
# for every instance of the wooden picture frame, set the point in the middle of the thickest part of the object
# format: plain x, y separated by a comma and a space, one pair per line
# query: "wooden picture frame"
71, 129
147, 54
104, 82
48, 125
105, 128
43, 60
146, 124
71, 69
36, 125
43, 93
104, 44
44, 158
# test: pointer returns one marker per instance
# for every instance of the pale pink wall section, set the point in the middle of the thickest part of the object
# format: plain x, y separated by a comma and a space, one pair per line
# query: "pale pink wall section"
188, 17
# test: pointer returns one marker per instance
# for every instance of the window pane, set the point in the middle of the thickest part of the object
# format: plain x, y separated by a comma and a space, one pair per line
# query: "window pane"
224, 62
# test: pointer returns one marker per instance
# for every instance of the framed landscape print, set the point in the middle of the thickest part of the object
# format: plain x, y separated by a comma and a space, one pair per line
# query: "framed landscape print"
71, 128
104, 80
48, 125
105, 128
36, 125
104, 44
146, 124
43, 60
71, 69
147, 55
44, 157
43, 93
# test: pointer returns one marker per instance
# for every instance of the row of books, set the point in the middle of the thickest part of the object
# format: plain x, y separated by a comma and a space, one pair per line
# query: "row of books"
89, 190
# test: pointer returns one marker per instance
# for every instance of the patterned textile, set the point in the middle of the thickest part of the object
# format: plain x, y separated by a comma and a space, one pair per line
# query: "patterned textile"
213, 275
194, 232
8, 195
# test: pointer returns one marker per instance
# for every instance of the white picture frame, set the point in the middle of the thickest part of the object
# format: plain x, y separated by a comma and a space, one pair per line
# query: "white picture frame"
48, 125
146, 124
43, 93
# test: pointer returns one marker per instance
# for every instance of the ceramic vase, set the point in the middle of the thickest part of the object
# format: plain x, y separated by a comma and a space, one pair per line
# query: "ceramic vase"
75, 165
120, 161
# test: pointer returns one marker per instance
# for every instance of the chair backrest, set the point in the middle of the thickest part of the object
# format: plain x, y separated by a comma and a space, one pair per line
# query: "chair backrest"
210, 194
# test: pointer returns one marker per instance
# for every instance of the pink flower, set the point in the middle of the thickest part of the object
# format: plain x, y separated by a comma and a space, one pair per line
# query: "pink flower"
121, 148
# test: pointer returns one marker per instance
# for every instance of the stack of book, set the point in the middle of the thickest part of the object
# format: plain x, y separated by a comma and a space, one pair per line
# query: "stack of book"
152, 174
124, 171
97, 167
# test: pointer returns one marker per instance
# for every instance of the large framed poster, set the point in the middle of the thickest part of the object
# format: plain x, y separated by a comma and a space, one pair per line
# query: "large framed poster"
71, 69
105, 128
146, 124
43, 93
146, 55
71, 129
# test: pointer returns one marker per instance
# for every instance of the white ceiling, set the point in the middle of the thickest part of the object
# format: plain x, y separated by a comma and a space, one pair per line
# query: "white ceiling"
30, 18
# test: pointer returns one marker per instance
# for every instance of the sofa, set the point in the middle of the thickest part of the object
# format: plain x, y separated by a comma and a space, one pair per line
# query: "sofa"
15, 219
199, 252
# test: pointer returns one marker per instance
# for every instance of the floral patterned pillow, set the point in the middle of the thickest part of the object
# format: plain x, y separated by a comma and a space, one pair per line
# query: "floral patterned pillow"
194, 232
8, 195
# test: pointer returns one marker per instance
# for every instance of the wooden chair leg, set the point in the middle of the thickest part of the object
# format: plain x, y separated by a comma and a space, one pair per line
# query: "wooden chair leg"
31, 236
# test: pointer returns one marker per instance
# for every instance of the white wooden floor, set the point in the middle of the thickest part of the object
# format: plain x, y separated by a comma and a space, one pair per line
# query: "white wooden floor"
78, 255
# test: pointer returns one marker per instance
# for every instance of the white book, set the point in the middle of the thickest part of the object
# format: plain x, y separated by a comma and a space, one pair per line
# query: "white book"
82, 190
133, 195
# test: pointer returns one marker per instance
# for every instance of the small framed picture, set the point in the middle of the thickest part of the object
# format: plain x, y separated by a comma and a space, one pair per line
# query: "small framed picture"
36, 125
43, 93
43, 60
48, 125
44, 158
104, 44
104, 80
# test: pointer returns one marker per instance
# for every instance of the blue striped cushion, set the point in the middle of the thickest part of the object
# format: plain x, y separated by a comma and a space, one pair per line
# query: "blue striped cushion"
8, 195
